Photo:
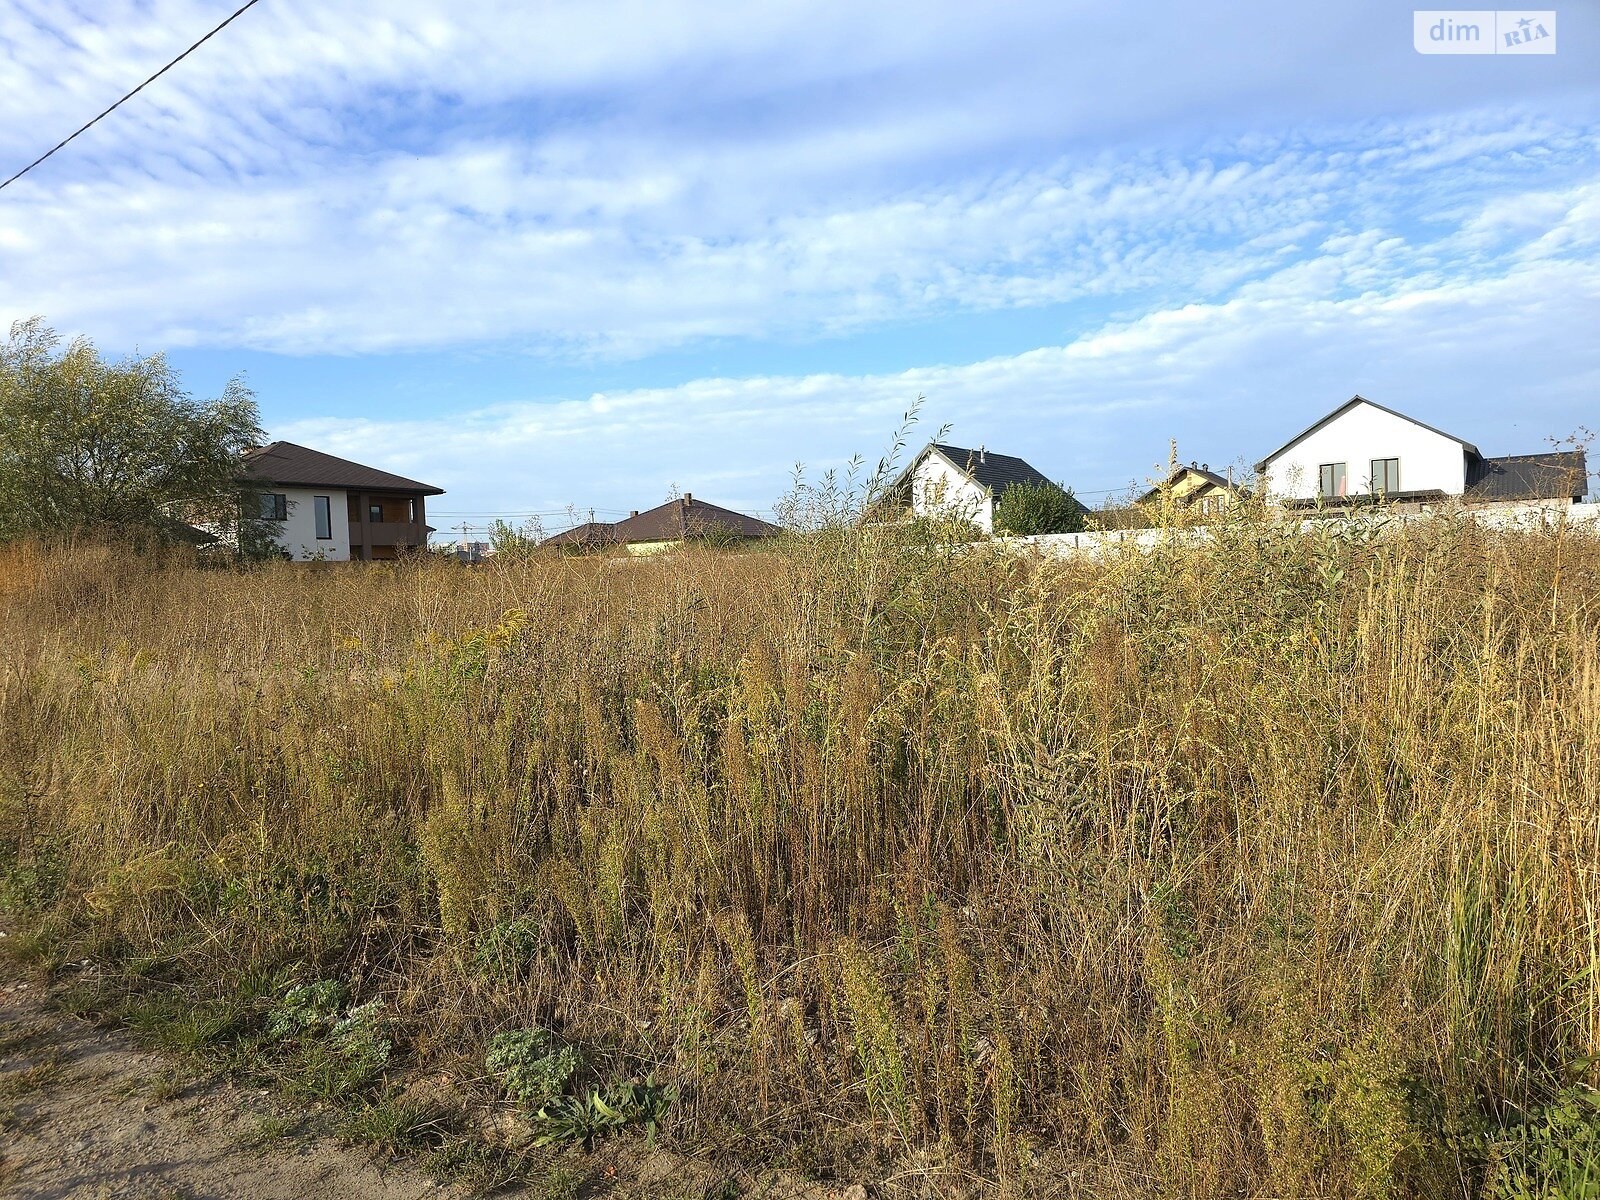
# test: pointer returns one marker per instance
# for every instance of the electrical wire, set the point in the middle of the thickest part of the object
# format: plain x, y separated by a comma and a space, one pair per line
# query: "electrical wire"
90, 124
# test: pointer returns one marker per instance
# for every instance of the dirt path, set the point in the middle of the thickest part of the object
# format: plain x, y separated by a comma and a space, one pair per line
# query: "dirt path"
86, 1114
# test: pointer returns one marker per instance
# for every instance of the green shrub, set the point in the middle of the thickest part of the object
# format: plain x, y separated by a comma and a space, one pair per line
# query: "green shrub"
1024, 509
530, 1065
1552, 1155
307, 1008
506, 949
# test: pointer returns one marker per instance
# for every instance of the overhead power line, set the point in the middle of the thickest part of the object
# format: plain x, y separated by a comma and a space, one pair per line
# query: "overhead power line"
238, 12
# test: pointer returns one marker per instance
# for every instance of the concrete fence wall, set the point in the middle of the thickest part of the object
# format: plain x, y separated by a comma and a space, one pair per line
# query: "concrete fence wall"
1532, 515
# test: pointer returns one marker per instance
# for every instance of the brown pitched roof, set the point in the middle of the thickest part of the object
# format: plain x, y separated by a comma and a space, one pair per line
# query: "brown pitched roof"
590, 533
688, 517
291, 465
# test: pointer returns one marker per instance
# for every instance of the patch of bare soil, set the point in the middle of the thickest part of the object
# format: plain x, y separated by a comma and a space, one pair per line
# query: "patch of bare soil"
86, 1114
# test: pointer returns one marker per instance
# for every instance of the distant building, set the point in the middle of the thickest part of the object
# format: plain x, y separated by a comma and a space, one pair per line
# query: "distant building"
666, 525
318, 506
591, 535
954, 482
1362, 451
1196, 487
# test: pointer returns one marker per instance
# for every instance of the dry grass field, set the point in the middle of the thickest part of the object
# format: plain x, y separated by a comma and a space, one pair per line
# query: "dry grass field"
1269, 867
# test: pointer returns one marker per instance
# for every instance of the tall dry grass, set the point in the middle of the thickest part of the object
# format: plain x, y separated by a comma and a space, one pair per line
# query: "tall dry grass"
1263, 868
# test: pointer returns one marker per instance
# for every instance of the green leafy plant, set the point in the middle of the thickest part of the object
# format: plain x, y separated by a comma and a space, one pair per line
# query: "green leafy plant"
531, 1066
583, 1118
506, 949
307, 1008
1554, 1154
336, 1052
1029, 508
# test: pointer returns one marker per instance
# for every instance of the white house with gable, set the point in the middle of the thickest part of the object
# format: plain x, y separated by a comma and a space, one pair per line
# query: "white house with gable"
956, 482
1364, 451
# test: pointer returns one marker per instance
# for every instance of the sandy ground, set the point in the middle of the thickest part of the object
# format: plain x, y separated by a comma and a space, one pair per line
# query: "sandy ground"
87, 1114
84, 1113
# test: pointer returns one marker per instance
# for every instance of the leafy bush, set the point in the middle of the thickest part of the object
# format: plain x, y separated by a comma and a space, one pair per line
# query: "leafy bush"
1024, 509
1552, 1155
335, 1052
532, 1067
307, 1008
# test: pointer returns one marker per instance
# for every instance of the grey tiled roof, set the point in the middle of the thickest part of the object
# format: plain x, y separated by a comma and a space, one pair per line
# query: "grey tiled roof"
1556, 475
994, 471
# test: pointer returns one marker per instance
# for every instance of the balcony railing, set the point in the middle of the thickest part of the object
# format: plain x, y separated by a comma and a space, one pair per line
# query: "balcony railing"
388, 533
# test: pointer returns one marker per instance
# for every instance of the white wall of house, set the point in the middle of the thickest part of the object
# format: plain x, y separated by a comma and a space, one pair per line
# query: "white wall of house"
1428, 460
298, 534
937, 487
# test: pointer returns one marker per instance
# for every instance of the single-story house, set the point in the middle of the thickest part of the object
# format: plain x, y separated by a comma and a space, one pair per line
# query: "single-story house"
951, 481
665, 526
319, 506
1196, 486
591, 535
1362, 451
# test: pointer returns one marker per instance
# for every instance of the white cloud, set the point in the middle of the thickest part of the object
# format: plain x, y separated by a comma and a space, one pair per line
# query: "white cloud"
519, 244
1096, 411
1236, 208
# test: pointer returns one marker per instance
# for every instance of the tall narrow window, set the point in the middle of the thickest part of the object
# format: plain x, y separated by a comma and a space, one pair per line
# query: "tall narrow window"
324, 510
274, 506
375, 512
1333, 480
1385, 476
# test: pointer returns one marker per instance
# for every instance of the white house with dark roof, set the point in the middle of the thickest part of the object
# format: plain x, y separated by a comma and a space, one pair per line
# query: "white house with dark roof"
321, 507
956, 482
1364, 451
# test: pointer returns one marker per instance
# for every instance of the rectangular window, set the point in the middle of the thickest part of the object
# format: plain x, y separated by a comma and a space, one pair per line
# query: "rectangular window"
1333, 481
1385, 476
324, 507
375, 513
274, 506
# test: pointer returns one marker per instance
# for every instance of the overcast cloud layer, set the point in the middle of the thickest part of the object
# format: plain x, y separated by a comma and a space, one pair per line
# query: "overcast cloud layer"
1225, 224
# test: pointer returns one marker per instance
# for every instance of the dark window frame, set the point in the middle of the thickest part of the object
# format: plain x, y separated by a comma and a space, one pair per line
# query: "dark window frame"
375, 512
1385, 487
280, 506
1329, 478
322, 513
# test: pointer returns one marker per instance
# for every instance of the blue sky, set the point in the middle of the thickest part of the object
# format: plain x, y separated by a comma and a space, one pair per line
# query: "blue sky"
570, 255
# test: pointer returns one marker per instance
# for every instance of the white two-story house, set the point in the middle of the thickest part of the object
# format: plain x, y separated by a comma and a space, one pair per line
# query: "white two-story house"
319, 507
1362, 451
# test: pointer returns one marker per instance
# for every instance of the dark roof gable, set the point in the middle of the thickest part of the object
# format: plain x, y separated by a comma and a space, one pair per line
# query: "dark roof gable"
1344, 408
291, 465
997, 472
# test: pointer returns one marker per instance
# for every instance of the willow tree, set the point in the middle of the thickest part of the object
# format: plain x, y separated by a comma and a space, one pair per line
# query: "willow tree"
91, 446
